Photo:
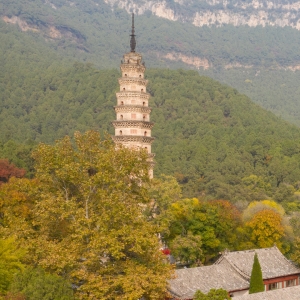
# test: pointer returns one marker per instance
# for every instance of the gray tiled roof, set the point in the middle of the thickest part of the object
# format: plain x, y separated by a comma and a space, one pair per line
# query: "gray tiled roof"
290, 293
272, 261
188, 281
231, 272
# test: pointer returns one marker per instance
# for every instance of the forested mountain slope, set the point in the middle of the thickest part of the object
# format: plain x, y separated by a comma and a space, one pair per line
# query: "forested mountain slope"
93, 31
261, 62
214, 140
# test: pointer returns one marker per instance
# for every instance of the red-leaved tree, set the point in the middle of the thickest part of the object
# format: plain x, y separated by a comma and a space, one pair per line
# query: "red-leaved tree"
8, 170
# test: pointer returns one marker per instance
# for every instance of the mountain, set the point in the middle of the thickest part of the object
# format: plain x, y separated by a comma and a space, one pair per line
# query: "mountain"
262, 62
94, 30
214, 140
218, 12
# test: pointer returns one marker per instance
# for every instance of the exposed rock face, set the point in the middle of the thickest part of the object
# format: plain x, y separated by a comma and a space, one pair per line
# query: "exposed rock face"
257, 18
218, 12
190, 60
49, 31
24, 26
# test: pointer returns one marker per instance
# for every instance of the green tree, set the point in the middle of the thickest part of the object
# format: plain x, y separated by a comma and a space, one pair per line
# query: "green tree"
213, 294
87, 219
187, 249
36, 284
295, 256
216, 222
10, 262
256, 279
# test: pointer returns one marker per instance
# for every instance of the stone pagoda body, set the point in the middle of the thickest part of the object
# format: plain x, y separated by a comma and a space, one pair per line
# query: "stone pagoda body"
132, 124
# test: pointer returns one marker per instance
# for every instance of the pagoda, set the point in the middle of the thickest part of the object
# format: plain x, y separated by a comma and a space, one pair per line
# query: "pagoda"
132, 124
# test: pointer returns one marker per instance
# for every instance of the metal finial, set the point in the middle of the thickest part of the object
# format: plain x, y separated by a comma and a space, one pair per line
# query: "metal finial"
132, 40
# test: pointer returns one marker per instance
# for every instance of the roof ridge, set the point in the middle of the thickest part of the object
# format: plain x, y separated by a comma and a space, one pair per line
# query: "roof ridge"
289, 261
243, 274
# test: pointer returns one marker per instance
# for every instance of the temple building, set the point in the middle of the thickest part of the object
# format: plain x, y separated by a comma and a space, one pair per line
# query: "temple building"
132, 124
232, 272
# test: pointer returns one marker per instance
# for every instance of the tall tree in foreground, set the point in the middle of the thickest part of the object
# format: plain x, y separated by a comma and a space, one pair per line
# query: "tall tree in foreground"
256, 279
87, 220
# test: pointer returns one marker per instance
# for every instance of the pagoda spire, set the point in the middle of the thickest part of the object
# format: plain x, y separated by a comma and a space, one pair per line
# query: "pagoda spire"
132, 124
132, 39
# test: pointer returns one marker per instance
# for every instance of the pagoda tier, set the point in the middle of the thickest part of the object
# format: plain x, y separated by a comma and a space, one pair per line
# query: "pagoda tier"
133, 98
132, 124
138, 139
133, 108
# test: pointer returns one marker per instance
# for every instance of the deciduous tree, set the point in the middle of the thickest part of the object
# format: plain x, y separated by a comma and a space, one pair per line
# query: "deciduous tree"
36, 284
10, 262
187, 249
215, 222
8, 170
213, 294
87, 219
256, 206
266, 229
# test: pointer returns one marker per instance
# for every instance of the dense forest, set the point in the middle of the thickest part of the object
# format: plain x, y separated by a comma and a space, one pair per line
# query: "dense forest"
214, 140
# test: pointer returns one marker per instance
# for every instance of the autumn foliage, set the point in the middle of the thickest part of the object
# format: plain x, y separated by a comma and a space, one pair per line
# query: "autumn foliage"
86, 219
8, 170
266, 229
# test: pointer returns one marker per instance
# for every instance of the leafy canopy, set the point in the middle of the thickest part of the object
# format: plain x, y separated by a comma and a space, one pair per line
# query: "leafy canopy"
266, 229
87, 219
213, 294
10, 262
36, 284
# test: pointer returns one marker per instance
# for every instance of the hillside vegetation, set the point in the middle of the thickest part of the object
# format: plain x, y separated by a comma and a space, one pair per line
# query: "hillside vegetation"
261, 62
214, 140
92, 31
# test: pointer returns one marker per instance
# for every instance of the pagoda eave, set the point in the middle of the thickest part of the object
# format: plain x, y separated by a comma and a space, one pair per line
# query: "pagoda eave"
130, 67
131, 124
137, 108
131, 138
132, 80
125, 94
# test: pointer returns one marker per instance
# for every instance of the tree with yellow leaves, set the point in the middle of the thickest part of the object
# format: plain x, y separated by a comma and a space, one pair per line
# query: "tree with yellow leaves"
256, 206
87, 219
266, 229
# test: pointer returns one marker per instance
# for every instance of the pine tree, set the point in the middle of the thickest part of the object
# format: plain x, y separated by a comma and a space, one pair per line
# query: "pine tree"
256, 280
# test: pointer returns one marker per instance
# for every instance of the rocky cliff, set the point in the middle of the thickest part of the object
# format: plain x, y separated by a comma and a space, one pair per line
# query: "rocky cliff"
218, 12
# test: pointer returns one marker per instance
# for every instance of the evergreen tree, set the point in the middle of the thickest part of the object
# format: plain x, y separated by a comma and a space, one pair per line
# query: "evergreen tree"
256, 280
